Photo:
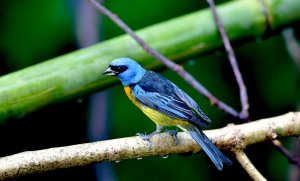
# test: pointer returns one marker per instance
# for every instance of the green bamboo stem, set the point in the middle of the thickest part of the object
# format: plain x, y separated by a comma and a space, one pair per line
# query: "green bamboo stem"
80, 72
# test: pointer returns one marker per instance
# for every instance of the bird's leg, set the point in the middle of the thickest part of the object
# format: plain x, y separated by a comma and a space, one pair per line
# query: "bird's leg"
173, 133
146, 137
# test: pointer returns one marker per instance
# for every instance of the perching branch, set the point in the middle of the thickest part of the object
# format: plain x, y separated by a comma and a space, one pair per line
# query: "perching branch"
232, 137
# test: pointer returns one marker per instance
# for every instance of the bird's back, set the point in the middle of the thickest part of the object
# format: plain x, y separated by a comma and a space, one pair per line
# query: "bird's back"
154, 82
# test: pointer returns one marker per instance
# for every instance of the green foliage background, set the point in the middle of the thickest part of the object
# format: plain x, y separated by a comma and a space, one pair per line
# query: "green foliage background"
34, 31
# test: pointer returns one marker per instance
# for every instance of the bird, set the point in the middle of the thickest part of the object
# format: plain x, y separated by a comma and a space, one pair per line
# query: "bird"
165, 104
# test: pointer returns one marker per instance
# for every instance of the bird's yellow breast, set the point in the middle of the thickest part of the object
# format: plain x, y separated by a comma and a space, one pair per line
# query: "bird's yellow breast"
155, 116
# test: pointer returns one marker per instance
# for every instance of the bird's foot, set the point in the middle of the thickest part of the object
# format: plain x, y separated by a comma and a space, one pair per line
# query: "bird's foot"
146, 137
173, 133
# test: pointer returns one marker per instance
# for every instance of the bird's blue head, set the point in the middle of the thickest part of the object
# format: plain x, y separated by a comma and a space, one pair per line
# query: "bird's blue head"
126, 69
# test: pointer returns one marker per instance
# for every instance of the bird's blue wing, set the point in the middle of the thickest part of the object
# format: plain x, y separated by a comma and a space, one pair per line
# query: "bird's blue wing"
168, 105
190, 102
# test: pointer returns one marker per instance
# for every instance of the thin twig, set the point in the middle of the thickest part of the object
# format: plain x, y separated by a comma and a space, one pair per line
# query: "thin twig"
244, 114
173, 66
248, 166
292, 159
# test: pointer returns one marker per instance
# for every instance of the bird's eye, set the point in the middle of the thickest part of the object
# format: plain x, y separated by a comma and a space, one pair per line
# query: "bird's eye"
122, 68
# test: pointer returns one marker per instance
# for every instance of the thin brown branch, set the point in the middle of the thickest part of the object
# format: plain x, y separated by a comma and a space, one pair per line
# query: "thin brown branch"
244, 114
233, 137
292, 159
173, 66
248, 166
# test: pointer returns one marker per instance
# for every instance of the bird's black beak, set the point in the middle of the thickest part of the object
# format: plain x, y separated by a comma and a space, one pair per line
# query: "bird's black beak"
109, 71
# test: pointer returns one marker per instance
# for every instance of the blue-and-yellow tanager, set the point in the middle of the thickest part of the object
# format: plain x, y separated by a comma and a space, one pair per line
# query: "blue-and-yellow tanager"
165, 104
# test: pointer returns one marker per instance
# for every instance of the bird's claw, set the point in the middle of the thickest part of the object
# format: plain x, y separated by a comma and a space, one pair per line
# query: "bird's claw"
146, 138
173, 133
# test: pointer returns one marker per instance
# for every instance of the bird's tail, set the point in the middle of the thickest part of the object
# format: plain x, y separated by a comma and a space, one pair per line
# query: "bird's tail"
216, 156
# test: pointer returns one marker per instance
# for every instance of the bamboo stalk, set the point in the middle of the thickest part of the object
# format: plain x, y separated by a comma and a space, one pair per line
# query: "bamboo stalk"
79, 73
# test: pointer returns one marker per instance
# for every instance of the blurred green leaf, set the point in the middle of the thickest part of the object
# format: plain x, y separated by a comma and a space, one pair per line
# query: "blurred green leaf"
33, 30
